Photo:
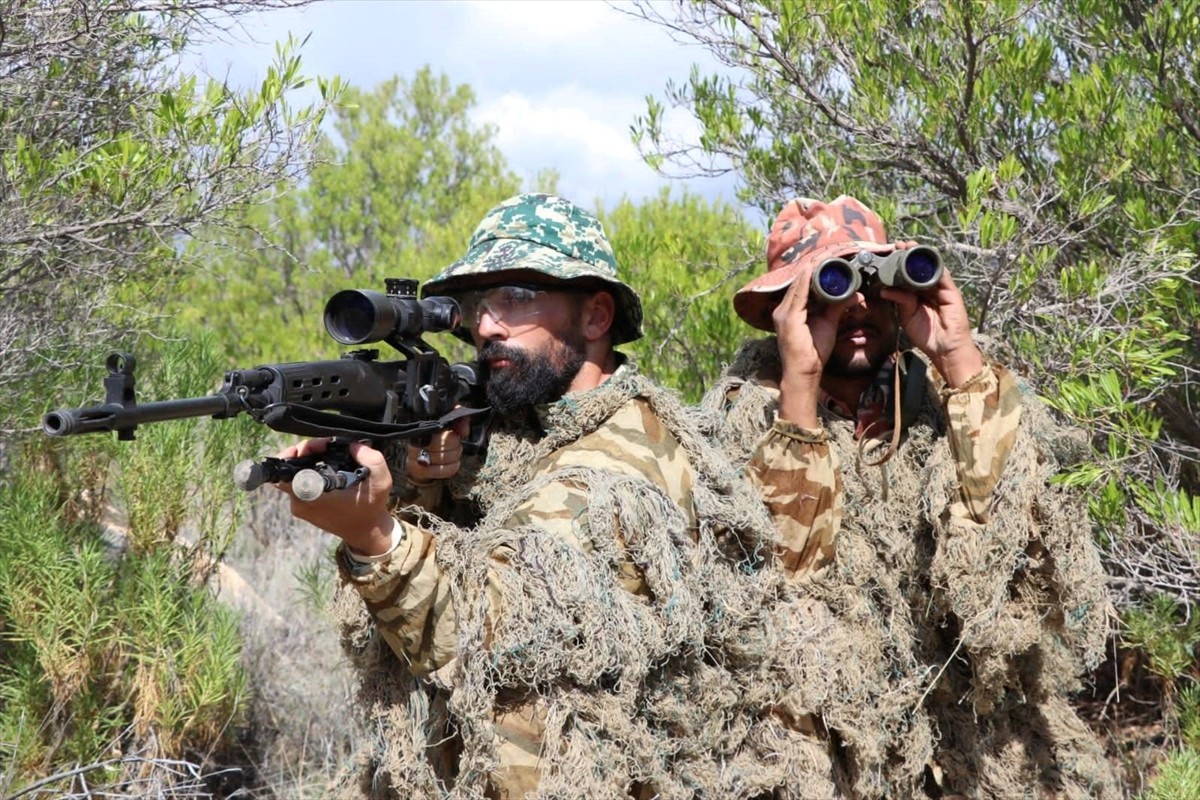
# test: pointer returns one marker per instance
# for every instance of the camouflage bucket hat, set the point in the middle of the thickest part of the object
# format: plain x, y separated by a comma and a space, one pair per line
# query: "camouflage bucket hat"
807, 232
545, 234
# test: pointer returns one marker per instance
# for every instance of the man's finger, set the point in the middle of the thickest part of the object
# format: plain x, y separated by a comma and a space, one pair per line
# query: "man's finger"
795, 298
906, 302
367, 456
308, 447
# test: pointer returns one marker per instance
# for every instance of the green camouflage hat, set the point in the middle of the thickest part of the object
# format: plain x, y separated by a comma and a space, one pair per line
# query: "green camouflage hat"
546, 234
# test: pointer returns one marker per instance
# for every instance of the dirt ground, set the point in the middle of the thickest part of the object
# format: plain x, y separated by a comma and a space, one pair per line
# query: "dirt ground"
1125, 707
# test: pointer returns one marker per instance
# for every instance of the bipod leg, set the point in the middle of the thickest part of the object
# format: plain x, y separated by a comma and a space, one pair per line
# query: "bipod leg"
336, 470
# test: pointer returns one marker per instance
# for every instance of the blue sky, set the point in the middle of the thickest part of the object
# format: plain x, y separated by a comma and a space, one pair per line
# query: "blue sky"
562, 80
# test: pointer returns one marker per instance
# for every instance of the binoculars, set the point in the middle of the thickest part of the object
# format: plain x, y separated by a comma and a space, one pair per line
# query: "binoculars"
917, 268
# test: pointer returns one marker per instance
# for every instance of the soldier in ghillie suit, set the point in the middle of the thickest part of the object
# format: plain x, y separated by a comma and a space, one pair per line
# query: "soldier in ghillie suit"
527, 612
912, 494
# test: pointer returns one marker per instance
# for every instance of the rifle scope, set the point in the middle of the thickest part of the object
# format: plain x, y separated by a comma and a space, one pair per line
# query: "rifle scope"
359, 316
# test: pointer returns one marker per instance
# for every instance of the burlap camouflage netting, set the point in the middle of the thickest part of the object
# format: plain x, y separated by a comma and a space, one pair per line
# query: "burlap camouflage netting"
645, 693
726, 680
967, 637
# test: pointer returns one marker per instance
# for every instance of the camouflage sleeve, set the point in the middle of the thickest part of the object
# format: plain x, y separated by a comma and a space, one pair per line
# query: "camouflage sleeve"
420, 614
409, 599
983, 416
1015, 562
797, 476
410, 593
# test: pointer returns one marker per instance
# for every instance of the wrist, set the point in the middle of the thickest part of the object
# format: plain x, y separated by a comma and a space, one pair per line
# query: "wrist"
959, 366
380, 541
798, 399
799, 433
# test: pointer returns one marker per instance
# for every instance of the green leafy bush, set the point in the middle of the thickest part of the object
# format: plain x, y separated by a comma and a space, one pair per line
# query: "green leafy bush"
111, 642
686, 257
105, 653
1177, 778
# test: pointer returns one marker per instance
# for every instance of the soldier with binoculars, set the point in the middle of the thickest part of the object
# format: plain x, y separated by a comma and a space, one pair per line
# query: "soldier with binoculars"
837, 294
969, 611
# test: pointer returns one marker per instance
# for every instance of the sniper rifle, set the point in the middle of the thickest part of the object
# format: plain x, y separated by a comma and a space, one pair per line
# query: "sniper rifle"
354, 398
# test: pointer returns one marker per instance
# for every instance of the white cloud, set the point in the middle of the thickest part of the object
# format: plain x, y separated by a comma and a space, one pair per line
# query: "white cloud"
562, 80
580, 134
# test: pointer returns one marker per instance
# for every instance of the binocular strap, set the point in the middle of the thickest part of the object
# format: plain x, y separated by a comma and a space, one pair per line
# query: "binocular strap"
898, 403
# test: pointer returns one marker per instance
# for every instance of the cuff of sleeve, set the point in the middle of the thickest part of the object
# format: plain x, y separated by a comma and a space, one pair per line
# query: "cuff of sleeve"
981, 382
790, 430
357, 559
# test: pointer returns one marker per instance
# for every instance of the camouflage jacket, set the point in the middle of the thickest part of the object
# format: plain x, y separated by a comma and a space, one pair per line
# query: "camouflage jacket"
971, 592
534, 499
799, 477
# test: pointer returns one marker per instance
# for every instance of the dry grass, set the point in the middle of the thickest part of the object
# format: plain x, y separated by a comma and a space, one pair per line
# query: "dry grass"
1125, 707
303, 720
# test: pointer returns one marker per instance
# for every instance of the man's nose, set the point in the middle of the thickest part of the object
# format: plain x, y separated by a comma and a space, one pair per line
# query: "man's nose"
857, 307
488, 328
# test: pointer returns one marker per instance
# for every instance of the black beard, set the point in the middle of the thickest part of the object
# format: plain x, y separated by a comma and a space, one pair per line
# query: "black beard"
869, 364
531, 379
841, 368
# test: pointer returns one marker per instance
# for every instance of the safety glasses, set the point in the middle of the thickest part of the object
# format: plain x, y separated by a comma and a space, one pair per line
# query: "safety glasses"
512, 307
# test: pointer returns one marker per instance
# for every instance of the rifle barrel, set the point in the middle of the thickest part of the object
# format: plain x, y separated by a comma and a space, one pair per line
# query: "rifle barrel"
116, 417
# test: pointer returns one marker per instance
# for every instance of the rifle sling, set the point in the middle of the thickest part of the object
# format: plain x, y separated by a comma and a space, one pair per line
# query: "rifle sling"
301, 421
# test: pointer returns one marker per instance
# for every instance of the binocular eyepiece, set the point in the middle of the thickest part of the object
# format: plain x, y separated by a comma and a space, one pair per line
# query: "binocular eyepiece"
914, 269
359, 316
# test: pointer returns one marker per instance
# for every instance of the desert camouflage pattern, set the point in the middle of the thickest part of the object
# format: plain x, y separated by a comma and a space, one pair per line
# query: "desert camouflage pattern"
983, 416
805, 232
974, 596
410, 597
546, 234
798, 477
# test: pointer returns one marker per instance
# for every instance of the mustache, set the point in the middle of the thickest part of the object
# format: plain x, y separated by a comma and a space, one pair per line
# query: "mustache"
494, 349
845, 328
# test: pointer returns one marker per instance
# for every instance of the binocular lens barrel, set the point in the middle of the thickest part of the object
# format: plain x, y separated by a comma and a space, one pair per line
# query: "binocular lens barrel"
834, 280
922, 267
359, 316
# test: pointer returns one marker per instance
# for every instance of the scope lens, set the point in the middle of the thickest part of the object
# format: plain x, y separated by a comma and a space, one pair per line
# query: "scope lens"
921, 266
835, 279
440, 314
350, 317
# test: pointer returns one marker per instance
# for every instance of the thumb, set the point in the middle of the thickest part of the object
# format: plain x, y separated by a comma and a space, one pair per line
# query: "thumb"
461, 426
906, 303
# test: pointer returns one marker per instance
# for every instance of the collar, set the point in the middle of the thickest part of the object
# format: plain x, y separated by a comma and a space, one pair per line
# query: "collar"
570, 412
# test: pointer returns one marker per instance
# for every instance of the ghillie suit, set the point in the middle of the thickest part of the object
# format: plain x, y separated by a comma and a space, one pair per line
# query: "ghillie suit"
586, 633
963, 611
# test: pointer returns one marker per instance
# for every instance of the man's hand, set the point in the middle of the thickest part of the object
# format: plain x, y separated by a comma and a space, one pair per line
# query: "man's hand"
806, 335
358, 515
936, 322
441, 458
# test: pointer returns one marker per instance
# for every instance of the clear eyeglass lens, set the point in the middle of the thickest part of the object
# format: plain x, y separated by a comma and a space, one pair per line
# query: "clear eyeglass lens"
508, 305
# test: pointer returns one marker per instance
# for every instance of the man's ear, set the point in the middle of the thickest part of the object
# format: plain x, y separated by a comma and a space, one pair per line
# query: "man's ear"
597, 315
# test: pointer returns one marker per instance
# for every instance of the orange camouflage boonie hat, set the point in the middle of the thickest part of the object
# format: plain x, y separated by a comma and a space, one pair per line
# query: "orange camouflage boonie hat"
807, 232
